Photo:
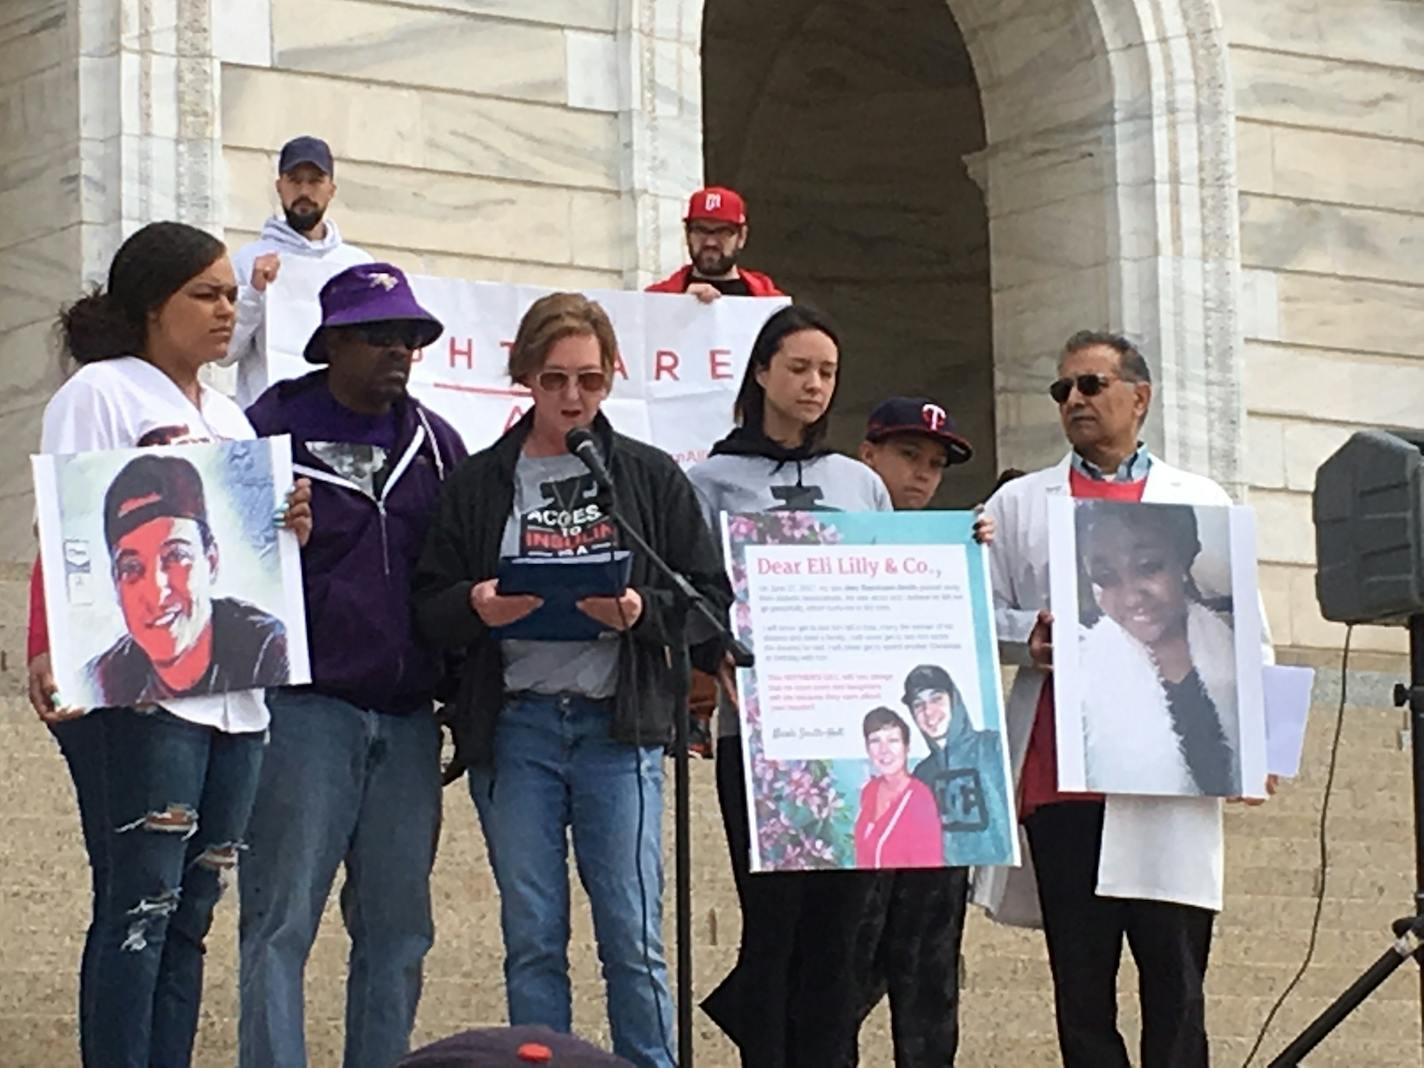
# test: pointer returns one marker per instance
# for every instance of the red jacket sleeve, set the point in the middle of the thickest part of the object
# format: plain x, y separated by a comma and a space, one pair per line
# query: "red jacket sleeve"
760, 285
673, 283
38, 638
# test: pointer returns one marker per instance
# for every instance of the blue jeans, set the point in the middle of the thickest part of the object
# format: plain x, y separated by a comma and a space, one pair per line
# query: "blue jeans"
82, 743
556, 769
164, 804
348, 785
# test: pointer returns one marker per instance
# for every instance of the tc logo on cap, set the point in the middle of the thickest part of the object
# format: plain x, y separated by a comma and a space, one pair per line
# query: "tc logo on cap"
934, 417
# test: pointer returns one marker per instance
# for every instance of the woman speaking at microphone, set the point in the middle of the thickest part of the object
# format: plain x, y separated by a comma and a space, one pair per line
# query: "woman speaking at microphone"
569, 735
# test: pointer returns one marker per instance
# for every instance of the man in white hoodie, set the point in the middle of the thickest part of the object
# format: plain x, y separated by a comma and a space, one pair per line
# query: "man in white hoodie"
306, 184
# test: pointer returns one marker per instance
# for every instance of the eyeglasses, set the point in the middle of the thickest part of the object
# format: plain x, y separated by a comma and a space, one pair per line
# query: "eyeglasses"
407, 334
704, 230
1088, 386
558, 381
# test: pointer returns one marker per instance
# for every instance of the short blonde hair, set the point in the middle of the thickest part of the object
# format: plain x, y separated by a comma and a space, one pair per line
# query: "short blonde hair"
552, 318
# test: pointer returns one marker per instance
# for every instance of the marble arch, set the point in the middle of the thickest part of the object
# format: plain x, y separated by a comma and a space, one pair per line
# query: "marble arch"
1110, 177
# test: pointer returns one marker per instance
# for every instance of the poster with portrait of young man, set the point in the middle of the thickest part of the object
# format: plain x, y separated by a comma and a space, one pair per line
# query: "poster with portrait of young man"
1157, 661
165, 574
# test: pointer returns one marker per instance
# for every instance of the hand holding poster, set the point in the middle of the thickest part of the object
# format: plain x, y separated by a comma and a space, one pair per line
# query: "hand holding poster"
681, 360
872, 723
1157, 657
164, 575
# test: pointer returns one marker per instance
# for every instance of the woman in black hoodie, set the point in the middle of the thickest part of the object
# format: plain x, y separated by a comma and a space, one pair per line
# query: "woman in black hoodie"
791, 1000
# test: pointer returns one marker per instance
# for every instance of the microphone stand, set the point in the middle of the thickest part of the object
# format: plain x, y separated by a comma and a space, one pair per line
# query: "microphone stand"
686, 601
1408, 932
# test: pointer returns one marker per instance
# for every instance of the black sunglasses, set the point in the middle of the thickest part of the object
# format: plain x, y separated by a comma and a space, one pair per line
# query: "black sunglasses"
1088, 385
408, 334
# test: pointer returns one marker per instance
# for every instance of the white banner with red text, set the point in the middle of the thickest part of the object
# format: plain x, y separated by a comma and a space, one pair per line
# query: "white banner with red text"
681, 360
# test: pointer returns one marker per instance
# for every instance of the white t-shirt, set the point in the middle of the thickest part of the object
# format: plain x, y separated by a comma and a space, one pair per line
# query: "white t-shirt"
126, 403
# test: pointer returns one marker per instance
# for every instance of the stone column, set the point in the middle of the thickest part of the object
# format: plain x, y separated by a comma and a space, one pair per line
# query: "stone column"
148, 97
660, 120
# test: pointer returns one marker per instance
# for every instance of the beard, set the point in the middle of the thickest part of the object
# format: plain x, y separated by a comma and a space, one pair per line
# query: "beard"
303, 216
712, 263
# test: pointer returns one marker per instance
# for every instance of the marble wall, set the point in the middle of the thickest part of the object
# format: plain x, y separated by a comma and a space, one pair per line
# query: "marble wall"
39, 243
473, 139
1329, 98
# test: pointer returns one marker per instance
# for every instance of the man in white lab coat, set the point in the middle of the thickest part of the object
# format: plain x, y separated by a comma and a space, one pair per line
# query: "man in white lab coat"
1099, 869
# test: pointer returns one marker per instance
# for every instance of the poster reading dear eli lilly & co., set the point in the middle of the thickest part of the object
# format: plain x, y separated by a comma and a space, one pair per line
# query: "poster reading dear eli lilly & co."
873, 721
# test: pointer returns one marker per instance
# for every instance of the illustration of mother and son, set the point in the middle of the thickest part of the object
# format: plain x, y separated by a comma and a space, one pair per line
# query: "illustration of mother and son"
953, 808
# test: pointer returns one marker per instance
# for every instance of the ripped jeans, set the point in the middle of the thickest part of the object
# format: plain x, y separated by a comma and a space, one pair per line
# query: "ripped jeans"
176, 797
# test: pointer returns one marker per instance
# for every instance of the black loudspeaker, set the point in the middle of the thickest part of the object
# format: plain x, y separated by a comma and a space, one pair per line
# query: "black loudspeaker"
1369, 529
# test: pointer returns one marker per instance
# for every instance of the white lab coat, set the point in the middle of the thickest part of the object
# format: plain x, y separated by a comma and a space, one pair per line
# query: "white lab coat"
1154, 848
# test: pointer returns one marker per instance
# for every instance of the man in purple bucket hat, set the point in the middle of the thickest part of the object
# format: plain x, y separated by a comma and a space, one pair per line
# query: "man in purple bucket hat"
352, 772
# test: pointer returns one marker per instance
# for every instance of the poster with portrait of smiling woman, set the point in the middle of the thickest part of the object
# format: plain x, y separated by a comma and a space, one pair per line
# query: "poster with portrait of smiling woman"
165, 574
1156, 650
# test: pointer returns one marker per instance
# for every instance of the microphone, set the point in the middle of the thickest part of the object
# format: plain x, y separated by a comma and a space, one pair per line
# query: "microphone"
581, 442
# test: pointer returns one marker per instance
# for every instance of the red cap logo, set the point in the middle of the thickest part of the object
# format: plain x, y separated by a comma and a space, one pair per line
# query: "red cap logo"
718, 203
934, 417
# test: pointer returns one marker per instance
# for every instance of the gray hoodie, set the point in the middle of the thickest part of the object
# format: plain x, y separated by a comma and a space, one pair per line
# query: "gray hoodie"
741, 483
247, 349
826, 483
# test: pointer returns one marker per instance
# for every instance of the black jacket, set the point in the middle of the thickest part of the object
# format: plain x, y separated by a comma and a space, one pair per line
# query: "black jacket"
463, 548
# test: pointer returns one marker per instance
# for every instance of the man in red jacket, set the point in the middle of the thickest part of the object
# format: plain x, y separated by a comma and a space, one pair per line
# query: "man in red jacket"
716, 224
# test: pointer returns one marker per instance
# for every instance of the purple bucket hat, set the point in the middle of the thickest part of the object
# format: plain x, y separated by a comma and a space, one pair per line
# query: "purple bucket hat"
368, 293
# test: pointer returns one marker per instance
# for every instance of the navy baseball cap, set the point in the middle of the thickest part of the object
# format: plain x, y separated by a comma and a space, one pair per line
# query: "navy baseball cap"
514, 1047
306, 149
917, 415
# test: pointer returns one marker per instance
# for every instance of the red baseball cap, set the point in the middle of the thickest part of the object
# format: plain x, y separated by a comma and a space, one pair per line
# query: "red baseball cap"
719, 203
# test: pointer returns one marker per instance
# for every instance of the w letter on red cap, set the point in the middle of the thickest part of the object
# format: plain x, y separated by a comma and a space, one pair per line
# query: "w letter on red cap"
934, 416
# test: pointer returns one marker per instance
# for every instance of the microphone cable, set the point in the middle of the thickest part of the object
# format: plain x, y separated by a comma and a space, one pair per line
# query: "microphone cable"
1324, 857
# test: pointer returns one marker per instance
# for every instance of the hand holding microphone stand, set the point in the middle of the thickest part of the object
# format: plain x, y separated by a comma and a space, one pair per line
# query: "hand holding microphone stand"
687, 602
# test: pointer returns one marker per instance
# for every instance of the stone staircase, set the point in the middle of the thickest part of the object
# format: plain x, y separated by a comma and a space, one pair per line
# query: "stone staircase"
1272, 867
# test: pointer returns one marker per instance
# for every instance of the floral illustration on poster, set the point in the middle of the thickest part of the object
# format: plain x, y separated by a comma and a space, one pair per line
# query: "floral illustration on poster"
872, 723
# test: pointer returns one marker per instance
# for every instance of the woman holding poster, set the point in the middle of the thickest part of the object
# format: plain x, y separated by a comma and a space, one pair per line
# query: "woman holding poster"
568, 736
164, 790
898, 825
792, 998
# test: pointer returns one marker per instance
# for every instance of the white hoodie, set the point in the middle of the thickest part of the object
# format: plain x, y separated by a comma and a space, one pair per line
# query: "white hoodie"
247, 349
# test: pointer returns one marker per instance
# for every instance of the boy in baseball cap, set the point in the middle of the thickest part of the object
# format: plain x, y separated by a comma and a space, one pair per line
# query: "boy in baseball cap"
909, 441
716, 226
912, 933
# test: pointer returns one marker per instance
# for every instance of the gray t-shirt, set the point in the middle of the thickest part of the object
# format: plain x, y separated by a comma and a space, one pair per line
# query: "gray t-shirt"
556, 513
830, 483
